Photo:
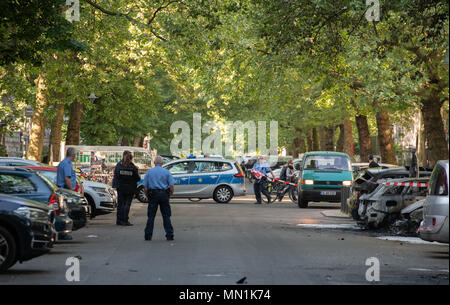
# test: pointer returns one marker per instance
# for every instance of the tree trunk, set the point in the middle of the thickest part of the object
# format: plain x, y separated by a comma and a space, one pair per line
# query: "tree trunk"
316, 140
73, 128
434, 129
137, 142
385, 138
349, 142
125, 141
421, 147
38, 121
340, 141
309, 140
365, 143
327, 139
56, 133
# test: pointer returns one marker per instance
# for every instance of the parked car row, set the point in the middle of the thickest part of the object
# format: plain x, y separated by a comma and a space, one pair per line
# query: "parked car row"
35, 213
389, 198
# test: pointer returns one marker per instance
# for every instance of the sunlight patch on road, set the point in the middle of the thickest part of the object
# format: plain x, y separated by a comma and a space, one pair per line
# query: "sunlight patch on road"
329, 226
411, 240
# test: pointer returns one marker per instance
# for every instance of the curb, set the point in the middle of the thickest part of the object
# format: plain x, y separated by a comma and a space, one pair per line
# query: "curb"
334, 214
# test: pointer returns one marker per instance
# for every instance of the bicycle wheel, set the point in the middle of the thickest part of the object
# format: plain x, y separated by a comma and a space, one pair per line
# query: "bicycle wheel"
293, 194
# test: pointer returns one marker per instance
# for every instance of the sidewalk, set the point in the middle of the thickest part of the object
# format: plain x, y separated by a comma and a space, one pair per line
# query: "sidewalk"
334, 213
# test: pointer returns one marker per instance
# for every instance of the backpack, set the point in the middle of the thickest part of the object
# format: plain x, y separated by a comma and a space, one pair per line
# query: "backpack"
283, 173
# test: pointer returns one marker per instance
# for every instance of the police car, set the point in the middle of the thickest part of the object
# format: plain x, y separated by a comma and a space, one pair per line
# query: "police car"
202, 178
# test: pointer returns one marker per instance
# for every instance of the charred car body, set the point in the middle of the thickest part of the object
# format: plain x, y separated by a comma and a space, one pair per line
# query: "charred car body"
367, 183
384, 205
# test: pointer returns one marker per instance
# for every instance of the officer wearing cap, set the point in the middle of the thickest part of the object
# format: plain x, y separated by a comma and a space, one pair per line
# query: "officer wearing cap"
159, 186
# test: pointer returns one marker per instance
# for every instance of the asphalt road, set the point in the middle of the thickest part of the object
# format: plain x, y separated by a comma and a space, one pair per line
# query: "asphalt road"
222, 243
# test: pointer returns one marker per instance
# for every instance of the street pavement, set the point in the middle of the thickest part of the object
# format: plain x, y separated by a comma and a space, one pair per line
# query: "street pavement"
222, 243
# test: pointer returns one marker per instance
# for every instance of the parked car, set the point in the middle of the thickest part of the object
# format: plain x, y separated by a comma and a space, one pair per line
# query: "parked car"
101, 197
203, 178
434, 226
11, 161
26, 230
383, 206
322, 175
76, 202
28, 184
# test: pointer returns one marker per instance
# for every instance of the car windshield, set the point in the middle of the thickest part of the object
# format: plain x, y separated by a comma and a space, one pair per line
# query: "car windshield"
50, 175
327, 162
15, 184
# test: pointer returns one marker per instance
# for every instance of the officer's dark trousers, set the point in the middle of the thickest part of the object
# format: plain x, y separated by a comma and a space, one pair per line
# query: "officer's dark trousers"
161, 199
123, 206
258, 188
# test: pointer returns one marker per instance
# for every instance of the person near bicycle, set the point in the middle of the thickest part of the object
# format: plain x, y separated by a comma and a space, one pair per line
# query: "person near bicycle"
287, 174
260, 182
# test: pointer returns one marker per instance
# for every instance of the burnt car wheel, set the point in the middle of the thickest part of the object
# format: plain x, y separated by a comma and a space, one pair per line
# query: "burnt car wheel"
223, 194
7, 249
141, 195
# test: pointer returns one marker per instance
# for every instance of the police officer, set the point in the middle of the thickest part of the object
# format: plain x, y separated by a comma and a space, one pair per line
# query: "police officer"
258, 186
159, 186
66, 178
125, 180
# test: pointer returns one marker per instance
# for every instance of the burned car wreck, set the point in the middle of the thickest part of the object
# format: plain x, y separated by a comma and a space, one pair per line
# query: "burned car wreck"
383, 206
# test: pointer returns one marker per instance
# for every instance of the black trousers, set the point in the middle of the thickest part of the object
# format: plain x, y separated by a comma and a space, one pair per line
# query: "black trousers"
160, 199
123, 207
258, 188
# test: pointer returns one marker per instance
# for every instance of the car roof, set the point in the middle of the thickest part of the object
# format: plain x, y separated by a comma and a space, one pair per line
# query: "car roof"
203, 159
15, 169
325, 153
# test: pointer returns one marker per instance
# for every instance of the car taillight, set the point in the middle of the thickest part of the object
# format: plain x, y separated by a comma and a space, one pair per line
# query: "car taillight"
54, 203
434, 221
240, 175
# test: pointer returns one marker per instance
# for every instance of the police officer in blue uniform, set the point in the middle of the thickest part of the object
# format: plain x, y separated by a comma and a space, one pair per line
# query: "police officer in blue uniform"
258, 187
66, 178
159, 186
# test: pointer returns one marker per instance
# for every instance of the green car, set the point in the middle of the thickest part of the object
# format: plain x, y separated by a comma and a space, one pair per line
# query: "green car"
322, 176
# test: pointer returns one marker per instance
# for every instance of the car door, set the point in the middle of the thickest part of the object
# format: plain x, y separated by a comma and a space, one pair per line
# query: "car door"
180, 171
203, 179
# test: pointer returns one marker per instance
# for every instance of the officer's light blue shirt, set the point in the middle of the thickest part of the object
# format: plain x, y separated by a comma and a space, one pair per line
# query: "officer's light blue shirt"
262, 168
158, 178
65, 169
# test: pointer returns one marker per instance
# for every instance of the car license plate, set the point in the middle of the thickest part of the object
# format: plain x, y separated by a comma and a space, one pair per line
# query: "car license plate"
328, 193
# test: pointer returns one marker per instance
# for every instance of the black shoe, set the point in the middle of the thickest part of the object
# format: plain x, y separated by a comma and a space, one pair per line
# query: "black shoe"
257, 202
269, 200
128, 224
119, 223
170, 237
148, 237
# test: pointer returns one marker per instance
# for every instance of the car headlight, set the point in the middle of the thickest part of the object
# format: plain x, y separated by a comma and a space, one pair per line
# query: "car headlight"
347, 183
100, 190
32, 214
308, 182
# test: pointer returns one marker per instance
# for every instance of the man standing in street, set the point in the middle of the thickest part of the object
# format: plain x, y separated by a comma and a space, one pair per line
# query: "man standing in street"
65, 174
66, 178
258, 186
159, 187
